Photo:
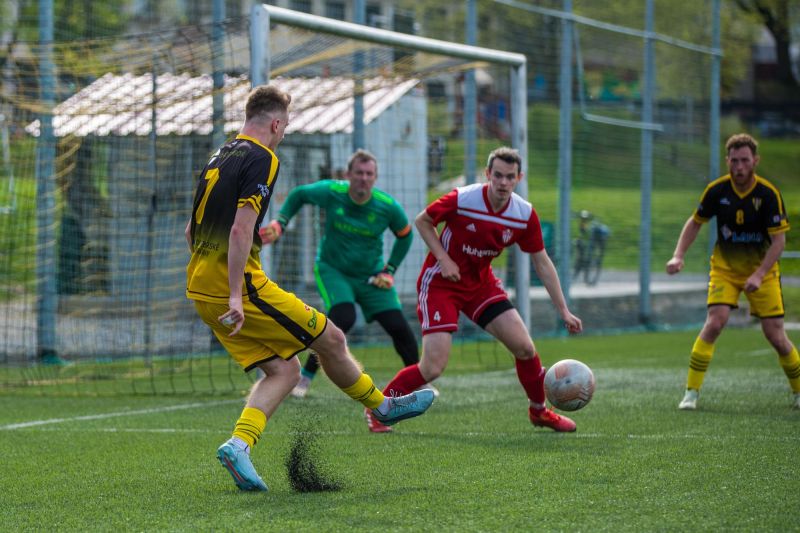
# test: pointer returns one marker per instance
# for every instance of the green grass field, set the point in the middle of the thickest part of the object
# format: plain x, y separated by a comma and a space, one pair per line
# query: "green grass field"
472, 463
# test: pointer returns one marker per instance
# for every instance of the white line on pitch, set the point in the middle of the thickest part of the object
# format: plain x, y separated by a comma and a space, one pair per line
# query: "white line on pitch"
179, 407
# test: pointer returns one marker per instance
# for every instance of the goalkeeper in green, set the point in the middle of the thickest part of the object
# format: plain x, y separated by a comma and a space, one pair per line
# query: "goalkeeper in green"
349, 266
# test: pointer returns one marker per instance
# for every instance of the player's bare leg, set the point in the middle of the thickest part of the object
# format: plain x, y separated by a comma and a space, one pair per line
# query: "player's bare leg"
435, 354
509, 329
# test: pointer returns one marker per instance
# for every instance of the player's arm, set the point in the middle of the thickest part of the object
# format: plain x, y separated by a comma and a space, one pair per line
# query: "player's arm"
313, 193
240, 242
687, 237
427, 230
188, 234
385, 278
772, 255
547, 272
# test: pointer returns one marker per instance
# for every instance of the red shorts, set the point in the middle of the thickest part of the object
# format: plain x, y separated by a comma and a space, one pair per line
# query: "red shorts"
440, 301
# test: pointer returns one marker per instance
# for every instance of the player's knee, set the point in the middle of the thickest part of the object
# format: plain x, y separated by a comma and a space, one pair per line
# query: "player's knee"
331, 345
524, 352
715, 324
343, 315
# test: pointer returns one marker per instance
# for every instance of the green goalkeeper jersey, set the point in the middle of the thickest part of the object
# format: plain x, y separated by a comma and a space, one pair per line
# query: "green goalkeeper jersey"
352, 241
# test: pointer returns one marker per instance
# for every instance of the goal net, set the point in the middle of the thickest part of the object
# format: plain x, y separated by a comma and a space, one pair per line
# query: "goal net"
100, 162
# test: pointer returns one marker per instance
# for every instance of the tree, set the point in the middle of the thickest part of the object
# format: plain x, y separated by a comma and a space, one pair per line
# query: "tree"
775, 16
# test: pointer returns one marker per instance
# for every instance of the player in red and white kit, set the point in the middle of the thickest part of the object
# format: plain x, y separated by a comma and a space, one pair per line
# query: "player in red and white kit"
480, 220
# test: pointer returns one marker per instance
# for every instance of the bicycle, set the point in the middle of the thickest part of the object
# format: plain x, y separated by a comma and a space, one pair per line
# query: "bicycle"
590, 247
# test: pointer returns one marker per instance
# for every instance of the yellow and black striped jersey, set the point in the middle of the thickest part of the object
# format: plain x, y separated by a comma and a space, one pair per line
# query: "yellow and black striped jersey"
745, 223
242, 172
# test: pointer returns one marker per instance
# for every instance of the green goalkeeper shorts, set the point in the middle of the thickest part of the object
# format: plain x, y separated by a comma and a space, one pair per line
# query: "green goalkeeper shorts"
337, 288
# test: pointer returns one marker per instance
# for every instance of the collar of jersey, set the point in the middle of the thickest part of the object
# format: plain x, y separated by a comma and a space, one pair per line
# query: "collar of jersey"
748, 191
254, 140
488, 203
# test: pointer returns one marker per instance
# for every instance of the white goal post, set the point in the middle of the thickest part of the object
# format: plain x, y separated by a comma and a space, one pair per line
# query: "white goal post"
263, 15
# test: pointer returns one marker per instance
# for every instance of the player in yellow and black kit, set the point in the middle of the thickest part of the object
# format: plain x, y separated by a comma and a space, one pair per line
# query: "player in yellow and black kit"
751, 235
257, 322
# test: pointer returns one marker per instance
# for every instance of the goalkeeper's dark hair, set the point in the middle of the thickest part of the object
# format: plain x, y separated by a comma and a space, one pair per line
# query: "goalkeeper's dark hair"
507, 154
740, 140
264, 101
361, 155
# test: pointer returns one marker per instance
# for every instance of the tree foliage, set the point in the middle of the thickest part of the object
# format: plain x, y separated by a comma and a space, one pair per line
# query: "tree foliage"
775, 15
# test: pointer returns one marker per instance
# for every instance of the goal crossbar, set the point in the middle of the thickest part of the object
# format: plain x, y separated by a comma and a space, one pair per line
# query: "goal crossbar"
387, 37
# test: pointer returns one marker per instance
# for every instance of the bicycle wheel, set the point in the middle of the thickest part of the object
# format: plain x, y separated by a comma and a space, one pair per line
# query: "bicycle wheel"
594, 267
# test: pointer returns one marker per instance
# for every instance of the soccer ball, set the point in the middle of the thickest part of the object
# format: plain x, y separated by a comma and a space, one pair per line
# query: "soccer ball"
569, 385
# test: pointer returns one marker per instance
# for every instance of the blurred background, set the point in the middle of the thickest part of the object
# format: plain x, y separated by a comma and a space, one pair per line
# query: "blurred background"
109, 110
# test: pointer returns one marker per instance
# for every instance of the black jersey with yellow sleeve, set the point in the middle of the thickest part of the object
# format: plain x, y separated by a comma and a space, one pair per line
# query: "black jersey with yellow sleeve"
242, 172
745, 223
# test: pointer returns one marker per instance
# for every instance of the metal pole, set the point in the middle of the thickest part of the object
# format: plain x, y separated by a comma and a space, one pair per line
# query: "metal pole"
470, 99
359, 17
713, 134
47, 297
218, 65
565, 153
519, 140
259, 45
646, 168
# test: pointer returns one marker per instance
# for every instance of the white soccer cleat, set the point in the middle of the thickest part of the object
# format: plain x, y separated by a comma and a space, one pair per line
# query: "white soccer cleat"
796, 402
689, 402
301, 389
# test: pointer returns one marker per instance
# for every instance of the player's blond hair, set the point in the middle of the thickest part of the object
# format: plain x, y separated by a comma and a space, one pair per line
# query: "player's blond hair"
264, 101
507, 154
740, 140
361, 155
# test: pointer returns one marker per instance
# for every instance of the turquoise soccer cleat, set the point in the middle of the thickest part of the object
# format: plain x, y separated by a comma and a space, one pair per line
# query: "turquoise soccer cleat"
408, 406
237, 462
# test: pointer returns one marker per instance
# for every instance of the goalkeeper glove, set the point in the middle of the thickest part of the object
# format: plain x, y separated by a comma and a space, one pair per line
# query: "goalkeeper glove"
271, 232
383, 279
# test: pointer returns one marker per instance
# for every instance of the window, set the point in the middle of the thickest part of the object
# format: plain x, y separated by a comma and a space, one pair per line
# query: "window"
301, 5
334, 10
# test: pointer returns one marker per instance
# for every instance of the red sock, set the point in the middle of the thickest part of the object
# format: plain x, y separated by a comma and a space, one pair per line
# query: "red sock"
531, 376
406, 381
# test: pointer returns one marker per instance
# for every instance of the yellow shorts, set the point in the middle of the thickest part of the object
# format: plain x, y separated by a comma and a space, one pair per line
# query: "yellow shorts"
276, 324
766, 302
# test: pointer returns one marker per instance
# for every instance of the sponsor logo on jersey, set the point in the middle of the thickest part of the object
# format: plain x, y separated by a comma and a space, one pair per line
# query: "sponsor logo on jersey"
264, 190
471, 227
757, 203
724, 201
507, 233
469, 250
741, 236
776, 219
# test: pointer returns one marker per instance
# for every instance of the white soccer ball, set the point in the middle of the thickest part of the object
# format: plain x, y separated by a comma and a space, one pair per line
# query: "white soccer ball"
569, 385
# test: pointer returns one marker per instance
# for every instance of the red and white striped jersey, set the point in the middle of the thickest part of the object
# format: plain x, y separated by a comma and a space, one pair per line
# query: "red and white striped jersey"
474, 234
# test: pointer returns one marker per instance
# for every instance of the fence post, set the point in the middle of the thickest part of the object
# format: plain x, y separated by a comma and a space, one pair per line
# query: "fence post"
47, 298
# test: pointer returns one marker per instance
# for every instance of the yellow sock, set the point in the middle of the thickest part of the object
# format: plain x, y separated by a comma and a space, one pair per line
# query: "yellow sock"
702, 352
365, 391
250, 425
791, 367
